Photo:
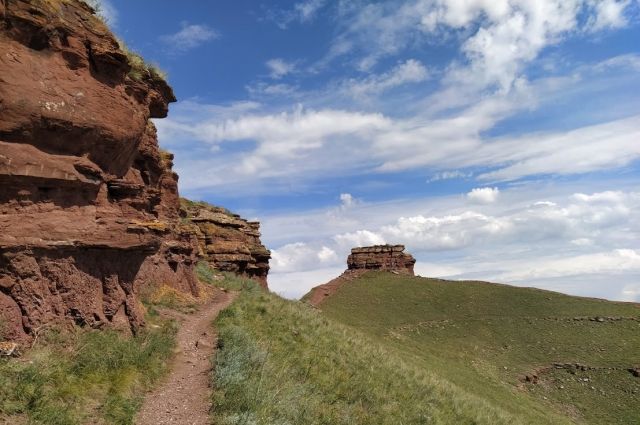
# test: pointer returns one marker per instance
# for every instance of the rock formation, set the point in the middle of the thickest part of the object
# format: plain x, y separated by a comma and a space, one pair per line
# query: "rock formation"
388, 258
89, 206
228, 242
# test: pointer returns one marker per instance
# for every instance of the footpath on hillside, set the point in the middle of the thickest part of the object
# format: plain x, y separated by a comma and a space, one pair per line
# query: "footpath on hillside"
184, 396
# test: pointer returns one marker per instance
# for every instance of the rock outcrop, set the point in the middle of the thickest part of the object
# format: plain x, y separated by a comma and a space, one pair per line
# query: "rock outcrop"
228, 242
387, 258
89, 207
390, 258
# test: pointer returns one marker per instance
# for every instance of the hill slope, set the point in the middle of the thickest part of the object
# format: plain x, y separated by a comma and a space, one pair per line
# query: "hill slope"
514, 347
286, 363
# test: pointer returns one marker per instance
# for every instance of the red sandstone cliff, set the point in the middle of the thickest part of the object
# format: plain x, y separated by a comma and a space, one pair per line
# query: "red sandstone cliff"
89, 206
390, 258
228, 242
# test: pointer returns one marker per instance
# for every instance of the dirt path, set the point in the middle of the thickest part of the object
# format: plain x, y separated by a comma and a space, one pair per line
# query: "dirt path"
184, 396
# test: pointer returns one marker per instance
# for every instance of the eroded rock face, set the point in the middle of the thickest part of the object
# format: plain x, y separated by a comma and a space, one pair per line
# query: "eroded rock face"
89, 206
390, 258
227, 241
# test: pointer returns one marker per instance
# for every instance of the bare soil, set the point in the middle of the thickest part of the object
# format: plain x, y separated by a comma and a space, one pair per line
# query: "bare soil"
184, 396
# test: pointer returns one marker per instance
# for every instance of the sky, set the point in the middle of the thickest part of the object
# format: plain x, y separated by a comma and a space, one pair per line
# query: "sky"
497, 139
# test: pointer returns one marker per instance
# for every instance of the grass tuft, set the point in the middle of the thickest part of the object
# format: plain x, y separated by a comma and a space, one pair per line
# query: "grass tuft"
85, 376
140, 69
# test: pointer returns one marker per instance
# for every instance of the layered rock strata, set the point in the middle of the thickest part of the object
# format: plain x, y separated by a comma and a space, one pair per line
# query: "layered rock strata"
89, 205
390, 258
387, 258
227, 241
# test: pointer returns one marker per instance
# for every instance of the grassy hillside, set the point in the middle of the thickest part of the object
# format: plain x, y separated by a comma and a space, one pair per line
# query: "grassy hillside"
81, 376
282, 362
485, 338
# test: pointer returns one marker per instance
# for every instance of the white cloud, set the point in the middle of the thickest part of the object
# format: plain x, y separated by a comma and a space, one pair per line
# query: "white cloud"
611, 263
631, 292
484, 195
602, 146
581, 238
279, 68
347, 200
608, 14
307, 10
327, 255
262, 89
449, 175
189, 37
409, 71
435, 270
300, 256
310, 144
294, 285
358, 238
503, 35
302, 12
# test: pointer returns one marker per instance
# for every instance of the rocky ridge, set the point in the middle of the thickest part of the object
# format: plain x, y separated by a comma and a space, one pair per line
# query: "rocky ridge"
388, 258
89, 205
227, 241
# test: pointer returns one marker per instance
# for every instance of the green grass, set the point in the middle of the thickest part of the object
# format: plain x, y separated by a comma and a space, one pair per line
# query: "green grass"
281, 362
224, 280
84, 376
484, 337
187, 204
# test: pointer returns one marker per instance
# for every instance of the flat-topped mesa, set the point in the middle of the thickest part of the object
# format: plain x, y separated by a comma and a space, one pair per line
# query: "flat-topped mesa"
387, 258
228, 242
390, 258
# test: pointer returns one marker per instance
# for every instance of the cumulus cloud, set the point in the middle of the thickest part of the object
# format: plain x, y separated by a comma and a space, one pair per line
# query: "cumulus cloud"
504, 34
358, 238
483, 195
583, 238
300, 256
608, 14
189, 37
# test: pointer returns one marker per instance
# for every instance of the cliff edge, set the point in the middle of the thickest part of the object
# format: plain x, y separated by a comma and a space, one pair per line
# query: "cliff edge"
89, 204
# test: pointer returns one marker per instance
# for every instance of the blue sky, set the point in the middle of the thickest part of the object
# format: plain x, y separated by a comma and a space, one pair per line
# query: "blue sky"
497, 139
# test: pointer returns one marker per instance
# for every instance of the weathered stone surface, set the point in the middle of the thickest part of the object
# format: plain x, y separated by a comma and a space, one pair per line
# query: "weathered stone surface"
89, 206
228, 242
389, 258
381, 257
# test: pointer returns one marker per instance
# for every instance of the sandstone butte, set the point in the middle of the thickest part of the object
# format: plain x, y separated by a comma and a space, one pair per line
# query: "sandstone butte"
89, 208
389, 258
